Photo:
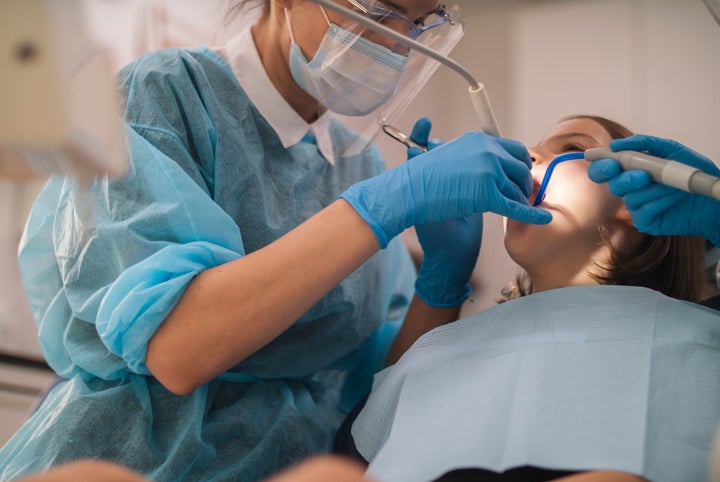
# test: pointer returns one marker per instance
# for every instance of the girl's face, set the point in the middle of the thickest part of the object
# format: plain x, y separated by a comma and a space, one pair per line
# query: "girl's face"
562, 252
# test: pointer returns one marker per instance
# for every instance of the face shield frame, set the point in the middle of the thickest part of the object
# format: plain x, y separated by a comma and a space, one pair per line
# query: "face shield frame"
387, 16
713, 7
438, 34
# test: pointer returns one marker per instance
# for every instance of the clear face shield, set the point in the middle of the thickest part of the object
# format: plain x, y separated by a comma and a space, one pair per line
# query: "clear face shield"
367, 78
714, 7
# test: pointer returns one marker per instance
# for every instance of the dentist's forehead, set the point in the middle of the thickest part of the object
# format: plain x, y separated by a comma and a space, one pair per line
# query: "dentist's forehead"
416, 7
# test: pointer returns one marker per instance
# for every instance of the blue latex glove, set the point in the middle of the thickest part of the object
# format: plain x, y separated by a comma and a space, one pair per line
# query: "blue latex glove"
655, 208
450, 248
472, 174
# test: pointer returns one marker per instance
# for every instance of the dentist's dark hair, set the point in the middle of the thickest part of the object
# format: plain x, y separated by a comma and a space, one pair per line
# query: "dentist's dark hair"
236, 7
672, 265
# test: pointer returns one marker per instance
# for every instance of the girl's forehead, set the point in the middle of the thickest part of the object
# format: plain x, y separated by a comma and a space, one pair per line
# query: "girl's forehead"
582, 127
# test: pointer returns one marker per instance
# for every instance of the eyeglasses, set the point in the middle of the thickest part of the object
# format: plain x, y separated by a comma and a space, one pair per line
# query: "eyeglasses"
384, 15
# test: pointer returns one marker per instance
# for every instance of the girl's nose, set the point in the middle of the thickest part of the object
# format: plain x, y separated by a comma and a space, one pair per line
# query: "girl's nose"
536, 157
538, 168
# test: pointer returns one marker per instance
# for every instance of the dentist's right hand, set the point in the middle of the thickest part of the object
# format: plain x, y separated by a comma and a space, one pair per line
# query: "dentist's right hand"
472, 174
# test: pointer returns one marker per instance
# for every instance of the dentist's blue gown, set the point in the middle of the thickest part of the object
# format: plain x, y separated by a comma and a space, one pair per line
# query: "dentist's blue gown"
209, 182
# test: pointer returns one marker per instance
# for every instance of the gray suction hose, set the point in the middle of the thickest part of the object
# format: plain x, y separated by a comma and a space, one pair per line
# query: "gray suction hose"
665, 171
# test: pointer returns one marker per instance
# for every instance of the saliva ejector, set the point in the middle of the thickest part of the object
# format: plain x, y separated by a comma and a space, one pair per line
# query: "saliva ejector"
665, 171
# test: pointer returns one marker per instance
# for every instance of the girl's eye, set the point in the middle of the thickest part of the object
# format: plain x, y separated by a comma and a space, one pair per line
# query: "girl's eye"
572, 148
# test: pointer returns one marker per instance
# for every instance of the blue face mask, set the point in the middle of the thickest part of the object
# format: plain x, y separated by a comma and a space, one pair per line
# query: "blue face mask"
349, 75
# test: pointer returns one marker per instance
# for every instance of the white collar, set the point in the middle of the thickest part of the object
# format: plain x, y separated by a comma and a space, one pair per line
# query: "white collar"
242, 55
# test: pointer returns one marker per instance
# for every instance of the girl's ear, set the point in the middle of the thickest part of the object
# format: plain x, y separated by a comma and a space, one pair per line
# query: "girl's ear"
623, 215
626, 235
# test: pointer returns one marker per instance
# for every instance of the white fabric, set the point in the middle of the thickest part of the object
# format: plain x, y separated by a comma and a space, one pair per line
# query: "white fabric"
578, 378
241, 53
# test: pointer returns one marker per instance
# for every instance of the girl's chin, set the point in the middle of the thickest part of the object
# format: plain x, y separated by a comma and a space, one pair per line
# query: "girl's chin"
513, 226
522, 240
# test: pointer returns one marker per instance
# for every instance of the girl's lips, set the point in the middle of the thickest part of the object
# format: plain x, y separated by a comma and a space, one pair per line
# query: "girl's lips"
536, 188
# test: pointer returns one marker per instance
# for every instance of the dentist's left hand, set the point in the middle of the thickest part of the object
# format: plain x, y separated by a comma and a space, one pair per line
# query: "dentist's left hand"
472, 174
450, 248
655, 208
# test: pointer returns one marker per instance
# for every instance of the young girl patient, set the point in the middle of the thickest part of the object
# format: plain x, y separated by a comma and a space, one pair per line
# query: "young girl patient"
599, 366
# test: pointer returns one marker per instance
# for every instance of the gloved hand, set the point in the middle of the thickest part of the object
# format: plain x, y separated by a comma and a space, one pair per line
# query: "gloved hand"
472, 174
655, 208
450, 248
421, 135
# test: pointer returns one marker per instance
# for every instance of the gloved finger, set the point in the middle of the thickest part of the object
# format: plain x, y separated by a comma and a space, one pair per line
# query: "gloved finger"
656, 146
654, 193
414, 152
646, 217
523, 212
433, 143
603, 170
511, 192
421, 131
518, 173
629, 181
667, 149
516, 149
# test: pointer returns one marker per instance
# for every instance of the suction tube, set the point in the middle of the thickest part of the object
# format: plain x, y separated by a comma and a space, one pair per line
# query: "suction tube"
665, 171
483, 109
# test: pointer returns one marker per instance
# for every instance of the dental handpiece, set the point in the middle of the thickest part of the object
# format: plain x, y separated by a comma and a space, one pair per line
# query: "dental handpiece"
665, 171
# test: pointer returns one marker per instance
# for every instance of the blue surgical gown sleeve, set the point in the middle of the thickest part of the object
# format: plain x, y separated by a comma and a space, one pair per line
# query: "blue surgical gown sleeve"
208, 181
126, 250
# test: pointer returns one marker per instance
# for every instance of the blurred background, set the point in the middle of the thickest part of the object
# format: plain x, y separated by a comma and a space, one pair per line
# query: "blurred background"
653, 65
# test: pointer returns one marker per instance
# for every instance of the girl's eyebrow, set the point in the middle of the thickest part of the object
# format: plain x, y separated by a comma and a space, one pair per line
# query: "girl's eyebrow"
573, 134
566, 135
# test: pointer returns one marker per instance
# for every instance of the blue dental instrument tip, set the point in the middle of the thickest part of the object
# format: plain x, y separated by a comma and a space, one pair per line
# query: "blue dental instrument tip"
570, 156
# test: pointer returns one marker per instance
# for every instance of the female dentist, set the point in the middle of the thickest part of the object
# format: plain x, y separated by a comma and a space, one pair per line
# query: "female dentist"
216, 310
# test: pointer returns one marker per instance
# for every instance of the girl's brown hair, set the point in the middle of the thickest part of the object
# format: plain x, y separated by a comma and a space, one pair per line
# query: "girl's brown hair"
672, 265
